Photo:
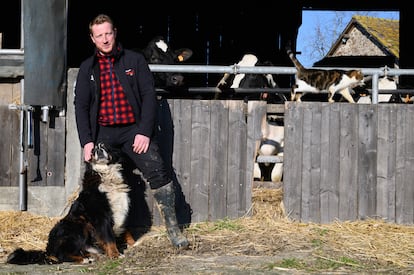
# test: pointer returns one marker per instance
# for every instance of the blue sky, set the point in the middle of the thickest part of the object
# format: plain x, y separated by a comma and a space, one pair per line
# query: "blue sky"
325, 19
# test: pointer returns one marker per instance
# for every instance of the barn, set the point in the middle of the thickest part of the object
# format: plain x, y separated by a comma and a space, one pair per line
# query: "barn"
41, 167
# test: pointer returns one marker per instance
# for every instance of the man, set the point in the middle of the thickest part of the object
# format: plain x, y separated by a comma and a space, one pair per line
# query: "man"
115, 103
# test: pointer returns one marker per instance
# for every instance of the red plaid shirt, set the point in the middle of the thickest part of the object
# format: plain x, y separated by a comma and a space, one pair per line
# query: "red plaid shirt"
114, 107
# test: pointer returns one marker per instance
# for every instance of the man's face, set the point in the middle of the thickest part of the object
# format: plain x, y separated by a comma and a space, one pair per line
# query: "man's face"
103, 36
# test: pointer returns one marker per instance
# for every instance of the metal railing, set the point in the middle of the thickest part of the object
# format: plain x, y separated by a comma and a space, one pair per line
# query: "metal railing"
375, 73
13, 67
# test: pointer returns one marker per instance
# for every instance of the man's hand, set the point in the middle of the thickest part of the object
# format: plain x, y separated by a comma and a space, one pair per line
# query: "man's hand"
87, 151
141, 144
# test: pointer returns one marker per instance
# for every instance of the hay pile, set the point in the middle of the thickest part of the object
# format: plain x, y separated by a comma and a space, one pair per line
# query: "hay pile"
266, 232
23, 229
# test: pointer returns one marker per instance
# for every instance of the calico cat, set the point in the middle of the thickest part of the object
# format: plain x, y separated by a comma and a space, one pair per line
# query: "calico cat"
318, 80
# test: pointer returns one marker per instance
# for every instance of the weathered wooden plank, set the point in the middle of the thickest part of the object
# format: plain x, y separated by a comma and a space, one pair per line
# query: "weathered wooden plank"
367, 152
408, 184
219, 159
293, 159
400, 178
315, 164
329, 193
274, 108
15, 141
200, 155
12, 65
269, 159
236, 162
386, 135
6, 126
306, 163
405, 195
347, 142
73, 150
55, 170
392, 160
257, 111
11, 71
10, 130
5, 149
232, 187
182, 142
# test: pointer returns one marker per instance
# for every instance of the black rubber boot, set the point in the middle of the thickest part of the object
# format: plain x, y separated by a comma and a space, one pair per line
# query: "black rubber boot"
165, 198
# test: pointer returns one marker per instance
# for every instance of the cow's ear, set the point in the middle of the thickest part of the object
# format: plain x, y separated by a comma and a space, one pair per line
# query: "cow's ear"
183, 54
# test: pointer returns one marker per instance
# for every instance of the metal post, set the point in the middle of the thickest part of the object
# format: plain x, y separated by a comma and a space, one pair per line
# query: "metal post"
29, 127
23, 165
25, 129
375, 89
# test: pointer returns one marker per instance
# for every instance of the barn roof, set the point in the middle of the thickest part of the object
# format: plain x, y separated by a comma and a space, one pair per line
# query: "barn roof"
383, 32
386, 31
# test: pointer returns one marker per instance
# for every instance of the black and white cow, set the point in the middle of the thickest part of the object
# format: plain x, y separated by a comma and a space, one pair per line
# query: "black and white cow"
385, 83
229, 82
272, 130
159, 52
271, 144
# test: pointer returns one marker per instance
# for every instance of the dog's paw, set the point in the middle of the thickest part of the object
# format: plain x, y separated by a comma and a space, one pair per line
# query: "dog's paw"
88, 260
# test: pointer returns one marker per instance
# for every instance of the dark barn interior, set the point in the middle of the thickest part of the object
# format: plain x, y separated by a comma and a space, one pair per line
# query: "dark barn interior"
218, 35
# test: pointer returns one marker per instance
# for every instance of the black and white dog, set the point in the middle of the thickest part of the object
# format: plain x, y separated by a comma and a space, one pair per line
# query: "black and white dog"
95, 219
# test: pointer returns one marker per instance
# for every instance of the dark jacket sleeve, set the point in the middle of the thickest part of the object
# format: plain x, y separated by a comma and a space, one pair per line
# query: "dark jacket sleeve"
141, 92
149, 108
82, 102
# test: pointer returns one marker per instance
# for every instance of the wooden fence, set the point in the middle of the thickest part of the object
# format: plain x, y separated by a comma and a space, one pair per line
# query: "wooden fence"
42, 164
214, 147
213, 144
341, 161
349, 162
9, 132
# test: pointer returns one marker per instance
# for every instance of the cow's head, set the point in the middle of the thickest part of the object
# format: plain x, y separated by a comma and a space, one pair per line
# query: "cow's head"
246, 81
159, 52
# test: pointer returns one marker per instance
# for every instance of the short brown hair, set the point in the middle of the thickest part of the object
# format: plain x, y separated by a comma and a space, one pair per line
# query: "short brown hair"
100, 19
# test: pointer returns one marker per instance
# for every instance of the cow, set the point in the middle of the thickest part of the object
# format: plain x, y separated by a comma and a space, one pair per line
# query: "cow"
159, 52
384, 83
229, 82
272, 130
271, 144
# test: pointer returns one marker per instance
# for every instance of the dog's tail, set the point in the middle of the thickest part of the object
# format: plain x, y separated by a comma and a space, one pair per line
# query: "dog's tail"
24, 257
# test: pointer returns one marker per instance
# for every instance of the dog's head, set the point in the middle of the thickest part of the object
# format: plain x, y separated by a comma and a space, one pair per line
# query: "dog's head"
104, 154
105, 159
101, 154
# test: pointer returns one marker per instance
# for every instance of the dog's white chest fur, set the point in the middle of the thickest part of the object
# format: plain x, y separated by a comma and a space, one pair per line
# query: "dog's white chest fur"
113, 184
